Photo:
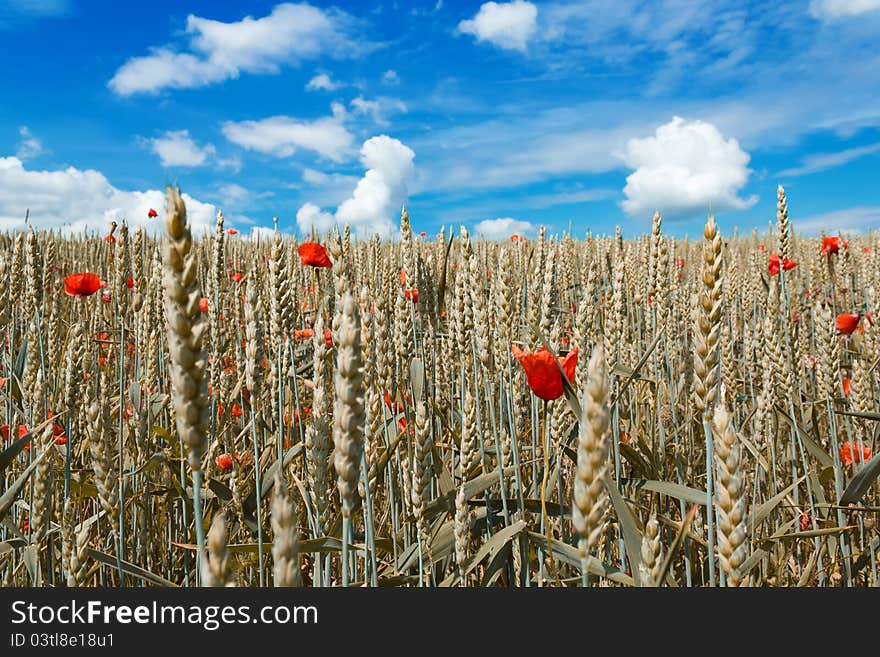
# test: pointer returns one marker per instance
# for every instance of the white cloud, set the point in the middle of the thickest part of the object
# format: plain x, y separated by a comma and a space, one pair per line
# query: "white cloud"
29, 147
508, 25
830, 10
378, 195
232, 193
382, 191
322, 82
311, 216
390, 78
853, 219
219, 51
78, 200
262, 233
687, 166
281, 136
502, 228
176, 148
377, 109
823, 161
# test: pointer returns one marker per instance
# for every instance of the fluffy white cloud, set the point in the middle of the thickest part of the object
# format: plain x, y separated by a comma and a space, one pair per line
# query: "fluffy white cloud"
322, 82
687, 166
76, 200
390, 78
378, 195
310, 216
508, 25
829, 10
502, 228
219, 51
176, 148
29, 146
281, 136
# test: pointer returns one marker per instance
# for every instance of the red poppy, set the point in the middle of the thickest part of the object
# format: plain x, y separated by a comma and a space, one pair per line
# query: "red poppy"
314, 255
203, 304
237, 276
25, 526
423, 234
542, 373
867, 249
412, 295
2, 381
514, 237
300, 334
231, 231
832, 244
850, 453
761, 247
236, 410
224, 461
394, 407
129, 283
22, 431
105, 295
328, 337
83, 284
788, 265
847, 386
848, 322
152, 213
680, 262
110, 239
804, 521
773, 264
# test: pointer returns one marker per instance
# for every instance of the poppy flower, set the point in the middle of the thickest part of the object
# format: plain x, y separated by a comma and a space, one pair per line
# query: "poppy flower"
301, 334
152, 213
423, 234
83, 284
761, 247
110, 239
832, 245
867, 249
237, 276
542, 373
2, 381
22, 431
847, 386
394, 407
314, 255
680, 262
773, 264
848, 322
804, 522
231, 231
224, 461
203, 304
850, 453
236, 410
412, 295
328, 337
129, 283
105, 295
788, 265
514, 237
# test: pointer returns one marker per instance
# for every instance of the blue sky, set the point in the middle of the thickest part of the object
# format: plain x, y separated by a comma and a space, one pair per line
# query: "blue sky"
501, 116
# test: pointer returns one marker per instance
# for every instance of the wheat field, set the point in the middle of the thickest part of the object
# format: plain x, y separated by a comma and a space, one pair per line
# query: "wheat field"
438, 410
